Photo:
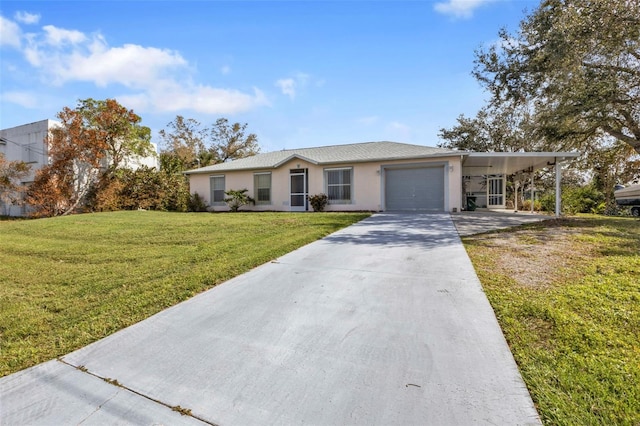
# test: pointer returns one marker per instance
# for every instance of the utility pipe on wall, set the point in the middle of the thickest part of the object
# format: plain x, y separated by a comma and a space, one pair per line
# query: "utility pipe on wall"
558, 193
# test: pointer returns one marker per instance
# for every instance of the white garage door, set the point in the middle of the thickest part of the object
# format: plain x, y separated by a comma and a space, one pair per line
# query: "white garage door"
415, 189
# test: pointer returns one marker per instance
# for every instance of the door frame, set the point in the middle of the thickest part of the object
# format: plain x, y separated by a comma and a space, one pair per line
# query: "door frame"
305, 182
496, 196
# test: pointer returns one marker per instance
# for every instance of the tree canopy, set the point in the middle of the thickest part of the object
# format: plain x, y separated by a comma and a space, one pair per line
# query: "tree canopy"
118, 130
505, 128
93, 139
577, 63
187, 144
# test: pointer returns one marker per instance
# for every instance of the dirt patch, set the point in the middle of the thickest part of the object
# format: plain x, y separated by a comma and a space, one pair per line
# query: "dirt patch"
538, 257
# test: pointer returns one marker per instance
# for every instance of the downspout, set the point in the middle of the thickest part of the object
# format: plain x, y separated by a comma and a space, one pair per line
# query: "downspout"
463, 186
558, 193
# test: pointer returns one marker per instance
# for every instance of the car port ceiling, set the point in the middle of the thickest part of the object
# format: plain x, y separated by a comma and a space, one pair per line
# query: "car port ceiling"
511, 162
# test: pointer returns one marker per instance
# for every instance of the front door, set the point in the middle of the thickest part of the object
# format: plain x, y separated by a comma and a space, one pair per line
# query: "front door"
299, 185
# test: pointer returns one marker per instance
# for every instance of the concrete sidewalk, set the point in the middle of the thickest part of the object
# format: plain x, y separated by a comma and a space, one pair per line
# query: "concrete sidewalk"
381, 323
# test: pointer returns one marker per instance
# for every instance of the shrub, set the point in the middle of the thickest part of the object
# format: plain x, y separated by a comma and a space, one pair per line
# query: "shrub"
318, 201
144, 188
237, 198
584, 199
196, 203
537, 206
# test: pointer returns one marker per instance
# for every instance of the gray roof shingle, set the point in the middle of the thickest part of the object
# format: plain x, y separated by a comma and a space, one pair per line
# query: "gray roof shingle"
336, 154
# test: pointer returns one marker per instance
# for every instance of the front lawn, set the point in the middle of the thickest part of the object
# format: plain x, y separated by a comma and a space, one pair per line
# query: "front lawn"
69, 281
567, 295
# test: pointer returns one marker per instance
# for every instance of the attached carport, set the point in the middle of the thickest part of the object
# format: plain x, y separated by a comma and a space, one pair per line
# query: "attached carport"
511, 163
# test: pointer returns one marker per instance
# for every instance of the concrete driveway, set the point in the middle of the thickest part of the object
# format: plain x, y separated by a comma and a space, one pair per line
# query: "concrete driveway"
476, 222
382, 323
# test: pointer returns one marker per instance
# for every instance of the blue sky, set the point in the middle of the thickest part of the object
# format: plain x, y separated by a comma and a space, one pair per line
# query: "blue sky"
300, 73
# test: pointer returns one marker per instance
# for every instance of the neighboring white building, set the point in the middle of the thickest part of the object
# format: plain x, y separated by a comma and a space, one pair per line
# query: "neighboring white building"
27, 143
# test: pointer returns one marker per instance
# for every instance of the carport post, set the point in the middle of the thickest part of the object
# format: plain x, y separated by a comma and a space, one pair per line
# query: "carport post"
558, 194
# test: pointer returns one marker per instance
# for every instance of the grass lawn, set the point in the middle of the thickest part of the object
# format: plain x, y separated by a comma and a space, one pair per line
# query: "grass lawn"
567, 295
69, 281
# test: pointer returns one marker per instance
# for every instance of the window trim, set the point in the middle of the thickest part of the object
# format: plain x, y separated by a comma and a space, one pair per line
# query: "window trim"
256, 188
212, 190
350, 184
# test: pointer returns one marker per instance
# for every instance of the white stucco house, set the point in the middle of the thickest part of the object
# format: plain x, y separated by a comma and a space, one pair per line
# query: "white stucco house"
27, 143
371, 176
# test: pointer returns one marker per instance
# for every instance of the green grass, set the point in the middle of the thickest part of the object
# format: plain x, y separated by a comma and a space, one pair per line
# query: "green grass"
68, 281
575, 333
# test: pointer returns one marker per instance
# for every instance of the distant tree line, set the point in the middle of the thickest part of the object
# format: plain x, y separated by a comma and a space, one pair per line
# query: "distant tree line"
569, 79
90, 157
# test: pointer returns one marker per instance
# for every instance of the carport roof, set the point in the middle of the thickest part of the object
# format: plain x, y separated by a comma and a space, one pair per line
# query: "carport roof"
512, 162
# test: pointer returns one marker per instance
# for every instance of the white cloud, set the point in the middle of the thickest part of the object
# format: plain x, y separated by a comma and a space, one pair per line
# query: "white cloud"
225, 70
160, 79
130, 65
291, 85
24, 99
171, 97
287, 86
58, 36
27, 18
10, 33
459, 8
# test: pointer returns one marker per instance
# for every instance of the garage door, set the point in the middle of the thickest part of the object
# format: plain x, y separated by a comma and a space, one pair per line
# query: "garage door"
415, 189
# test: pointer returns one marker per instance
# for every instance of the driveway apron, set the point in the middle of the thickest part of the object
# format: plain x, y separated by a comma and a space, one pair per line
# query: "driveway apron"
383, 322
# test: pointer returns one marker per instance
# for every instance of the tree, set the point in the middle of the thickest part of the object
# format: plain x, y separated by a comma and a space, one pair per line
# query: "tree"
495, 128
118, 130
75, 154
578, 63
188, 145
183, 141
11, 173
92, 141
228, 141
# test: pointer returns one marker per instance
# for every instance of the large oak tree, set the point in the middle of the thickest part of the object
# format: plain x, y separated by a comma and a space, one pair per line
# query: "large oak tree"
578, 63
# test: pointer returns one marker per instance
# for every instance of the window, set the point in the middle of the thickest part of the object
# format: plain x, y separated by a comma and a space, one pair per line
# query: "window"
262, 188
338, 184
217, 190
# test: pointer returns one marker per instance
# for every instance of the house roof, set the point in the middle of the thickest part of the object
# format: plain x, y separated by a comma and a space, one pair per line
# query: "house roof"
335, 154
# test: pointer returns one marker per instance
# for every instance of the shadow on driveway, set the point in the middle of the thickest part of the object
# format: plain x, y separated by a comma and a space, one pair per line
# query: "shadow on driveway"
420, 230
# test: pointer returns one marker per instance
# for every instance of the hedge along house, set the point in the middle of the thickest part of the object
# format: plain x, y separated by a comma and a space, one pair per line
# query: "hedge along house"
371, 176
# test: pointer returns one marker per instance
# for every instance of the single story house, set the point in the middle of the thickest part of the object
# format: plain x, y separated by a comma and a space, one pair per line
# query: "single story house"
371, 176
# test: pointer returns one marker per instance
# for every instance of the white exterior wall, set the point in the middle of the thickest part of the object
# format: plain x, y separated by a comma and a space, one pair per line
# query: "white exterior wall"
367, 186
25, 143
150, 161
